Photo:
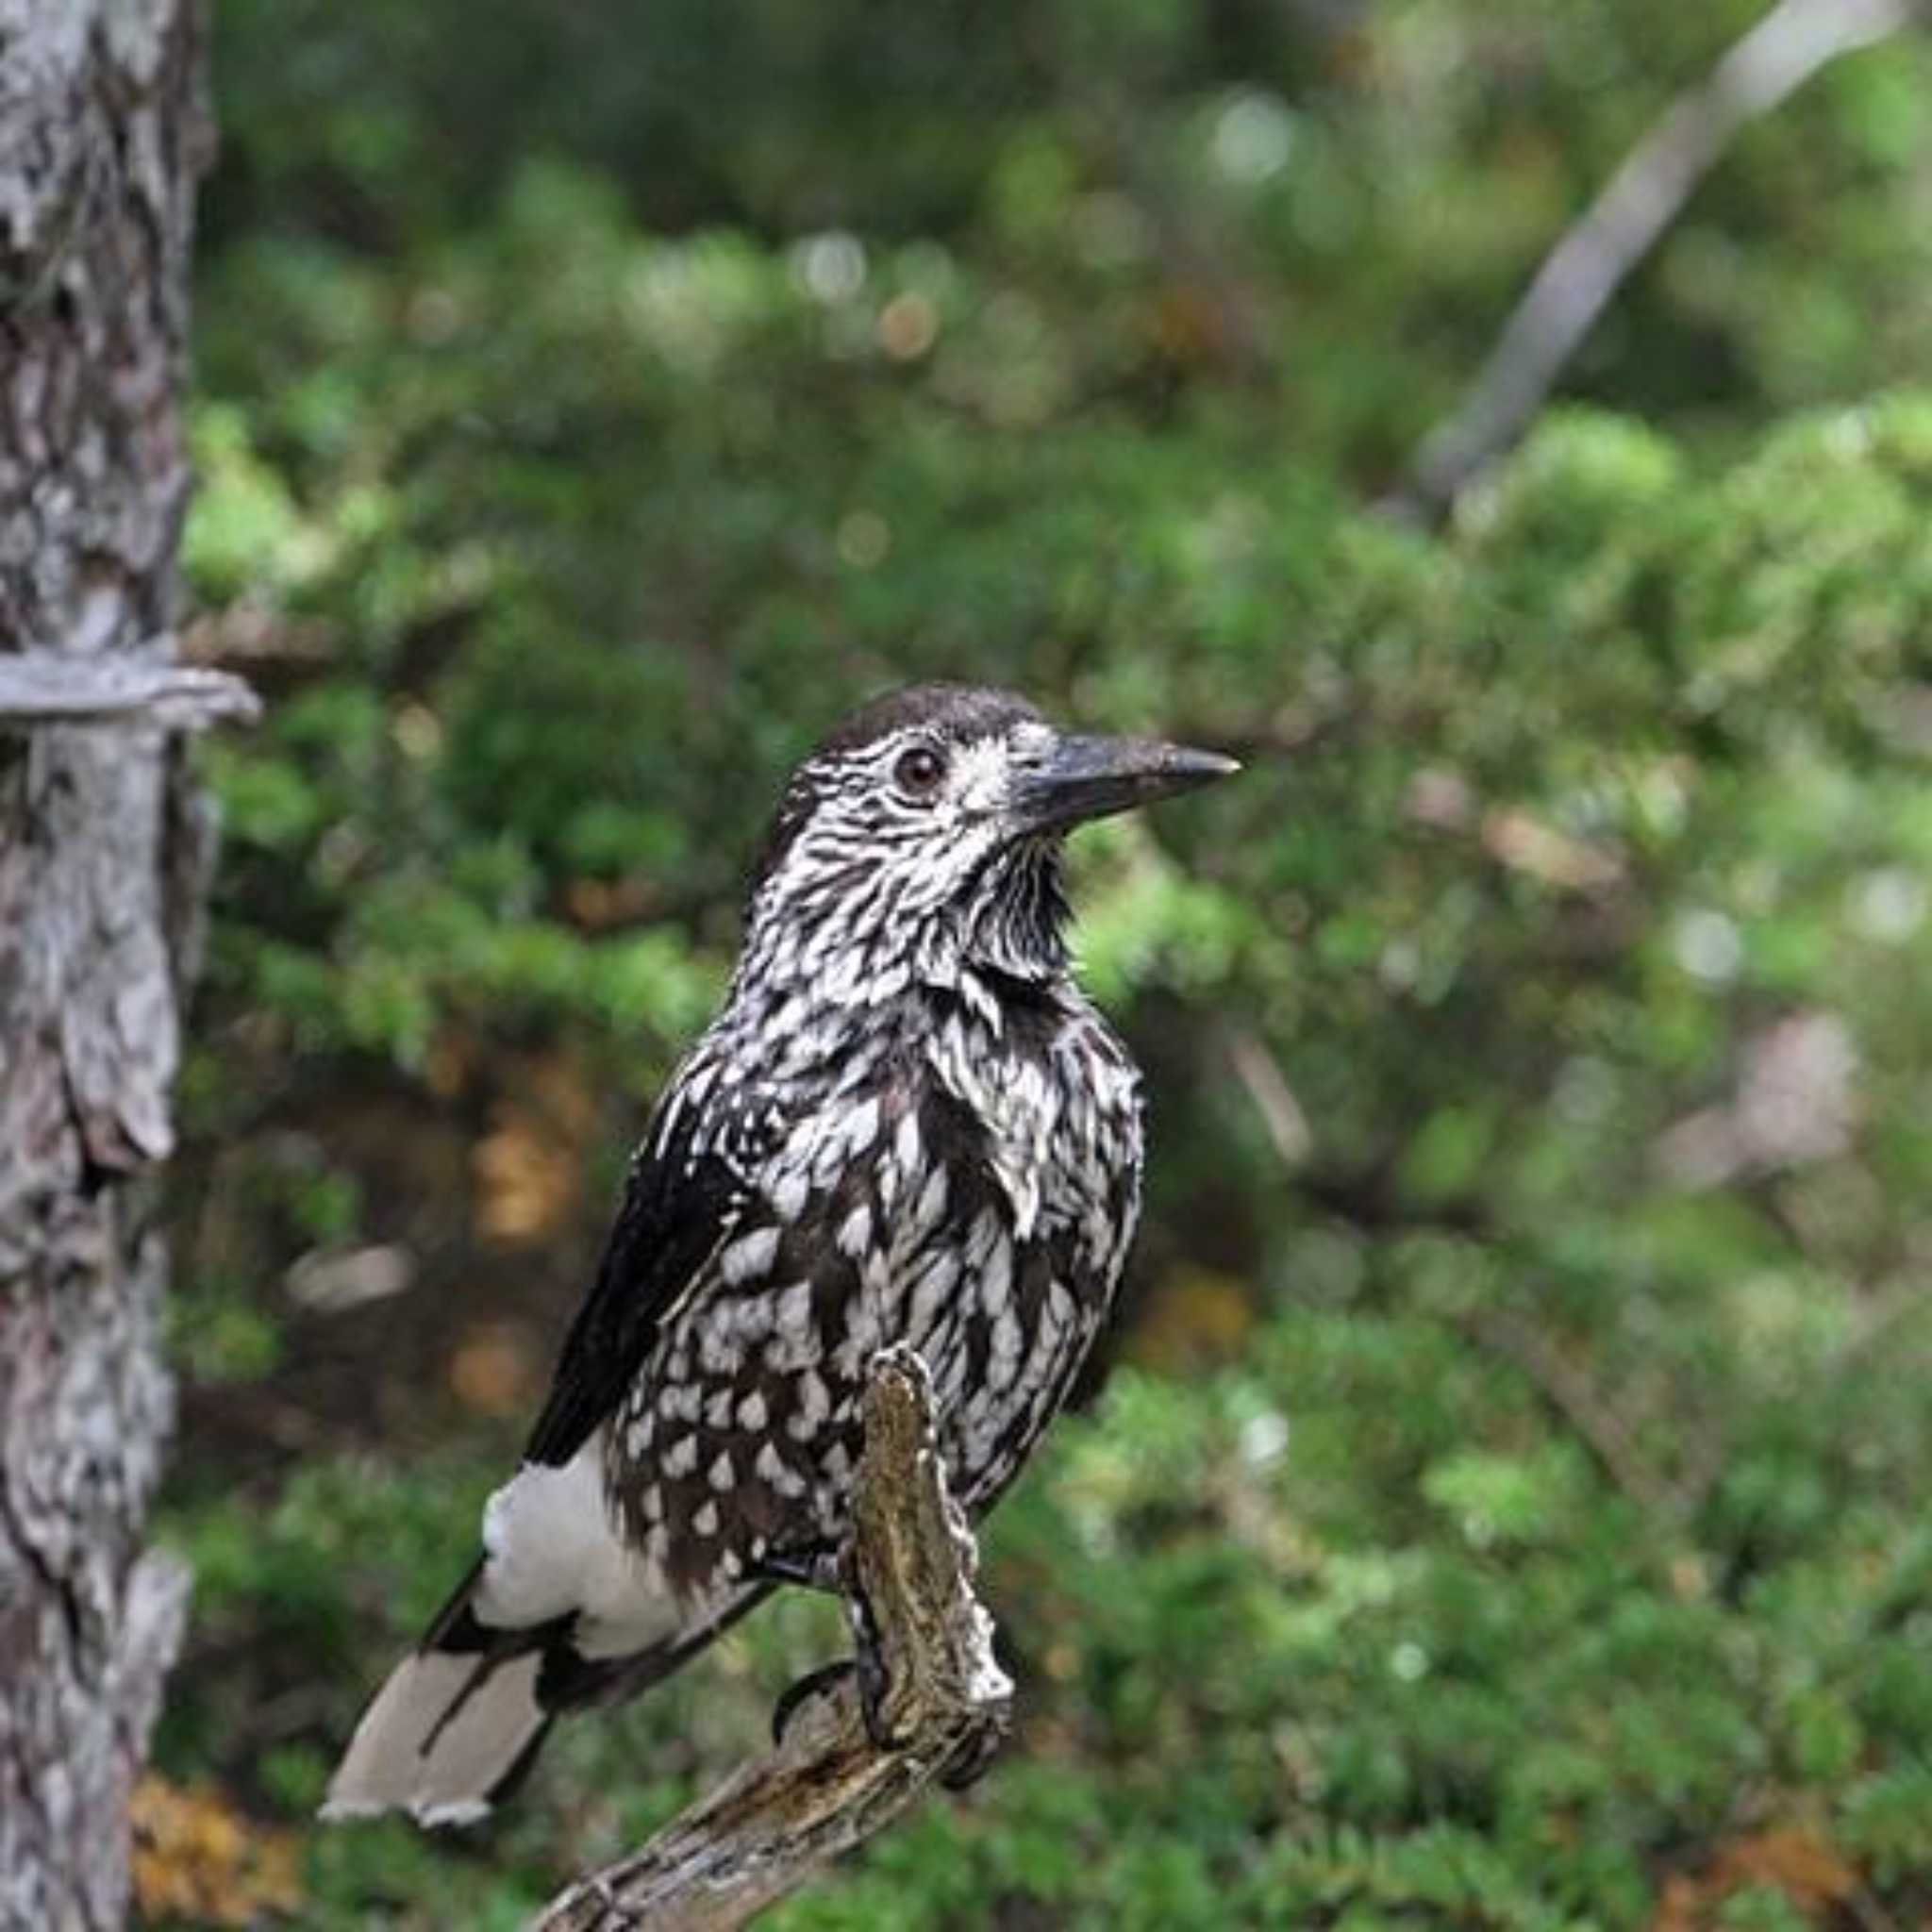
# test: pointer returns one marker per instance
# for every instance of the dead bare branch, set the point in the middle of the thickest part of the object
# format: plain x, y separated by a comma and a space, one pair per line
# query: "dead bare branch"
827, 1786
39, 688
1591, 261
1282, 1113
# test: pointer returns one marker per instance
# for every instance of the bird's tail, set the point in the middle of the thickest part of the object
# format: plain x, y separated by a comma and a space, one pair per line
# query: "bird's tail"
458, 1721
461, 1719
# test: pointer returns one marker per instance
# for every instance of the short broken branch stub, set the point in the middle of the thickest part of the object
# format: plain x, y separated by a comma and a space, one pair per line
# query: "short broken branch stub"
827, 1786
42, 688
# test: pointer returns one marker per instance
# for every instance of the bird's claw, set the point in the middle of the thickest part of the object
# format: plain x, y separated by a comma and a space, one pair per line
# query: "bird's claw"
873, 1679
806, 1688
869, 1660
867, 1665
612, 1906
873, 1683
974, 1757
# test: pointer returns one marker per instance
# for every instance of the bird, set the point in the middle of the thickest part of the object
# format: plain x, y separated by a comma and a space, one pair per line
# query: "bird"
906, 1124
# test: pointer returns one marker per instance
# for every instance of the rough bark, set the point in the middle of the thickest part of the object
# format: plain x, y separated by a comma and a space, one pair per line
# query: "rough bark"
829, 1786
103, 859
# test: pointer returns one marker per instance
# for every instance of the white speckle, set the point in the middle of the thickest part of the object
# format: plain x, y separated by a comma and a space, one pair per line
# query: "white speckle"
1004, 1355
790, 1192
718, 1348
942, 1341
785, 1355
979, 1241
861, 1127
749, 1256
855, 1232
936, 1282
751, 1412
932, 1202
1051, 1333
996, 1276
682, 1456
705, 1522
718, 1410
792, 1316
814, 1407
789, 1019
722, 1476
777, 1473
905, 1142
986, 1008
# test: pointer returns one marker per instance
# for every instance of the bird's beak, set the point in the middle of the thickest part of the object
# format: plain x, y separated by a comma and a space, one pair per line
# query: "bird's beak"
1085, 779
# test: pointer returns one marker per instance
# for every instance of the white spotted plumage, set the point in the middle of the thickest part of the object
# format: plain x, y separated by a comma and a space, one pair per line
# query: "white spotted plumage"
907, 1124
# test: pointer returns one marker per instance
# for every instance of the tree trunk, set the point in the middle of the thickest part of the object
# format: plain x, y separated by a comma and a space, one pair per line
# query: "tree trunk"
103, 856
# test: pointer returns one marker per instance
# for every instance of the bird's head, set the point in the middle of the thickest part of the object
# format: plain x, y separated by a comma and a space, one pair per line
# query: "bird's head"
925, 834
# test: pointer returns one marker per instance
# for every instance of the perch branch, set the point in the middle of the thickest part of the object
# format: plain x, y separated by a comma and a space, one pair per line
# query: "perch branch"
1588, 264
778, 1820
63, 688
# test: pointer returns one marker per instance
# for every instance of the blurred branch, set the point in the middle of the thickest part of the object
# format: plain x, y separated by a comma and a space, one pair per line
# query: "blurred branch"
1282, 1114
39, 688
1590, 263
1570, 1390
827, 1786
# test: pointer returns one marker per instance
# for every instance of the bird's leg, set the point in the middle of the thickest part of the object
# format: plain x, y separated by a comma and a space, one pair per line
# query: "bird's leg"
874, 1679
810, 1569
816, 1568
834, 1572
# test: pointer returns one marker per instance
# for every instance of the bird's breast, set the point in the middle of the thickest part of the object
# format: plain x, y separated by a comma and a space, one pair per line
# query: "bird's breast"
967, 1188
1054, 1101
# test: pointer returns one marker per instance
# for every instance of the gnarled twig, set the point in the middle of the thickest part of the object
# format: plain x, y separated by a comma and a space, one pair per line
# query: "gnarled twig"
775, 1823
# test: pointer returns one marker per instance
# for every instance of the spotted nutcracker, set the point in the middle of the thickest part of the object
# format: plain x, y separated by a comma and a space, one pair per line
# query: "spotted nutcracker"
905, 1124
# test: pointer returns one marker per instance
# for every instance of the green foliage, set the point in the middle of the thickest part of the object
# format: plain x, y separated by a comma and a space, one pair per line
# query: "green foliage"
1507, 1509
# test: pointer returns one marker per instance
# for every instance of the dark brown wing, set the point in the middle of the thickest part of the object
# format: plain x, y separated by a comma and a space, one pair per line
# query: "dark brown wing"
680, 1201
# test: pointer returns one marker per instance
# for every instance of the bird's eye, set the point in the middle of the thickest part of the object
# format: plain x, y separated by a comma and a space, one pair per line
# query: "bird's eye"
920, 770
